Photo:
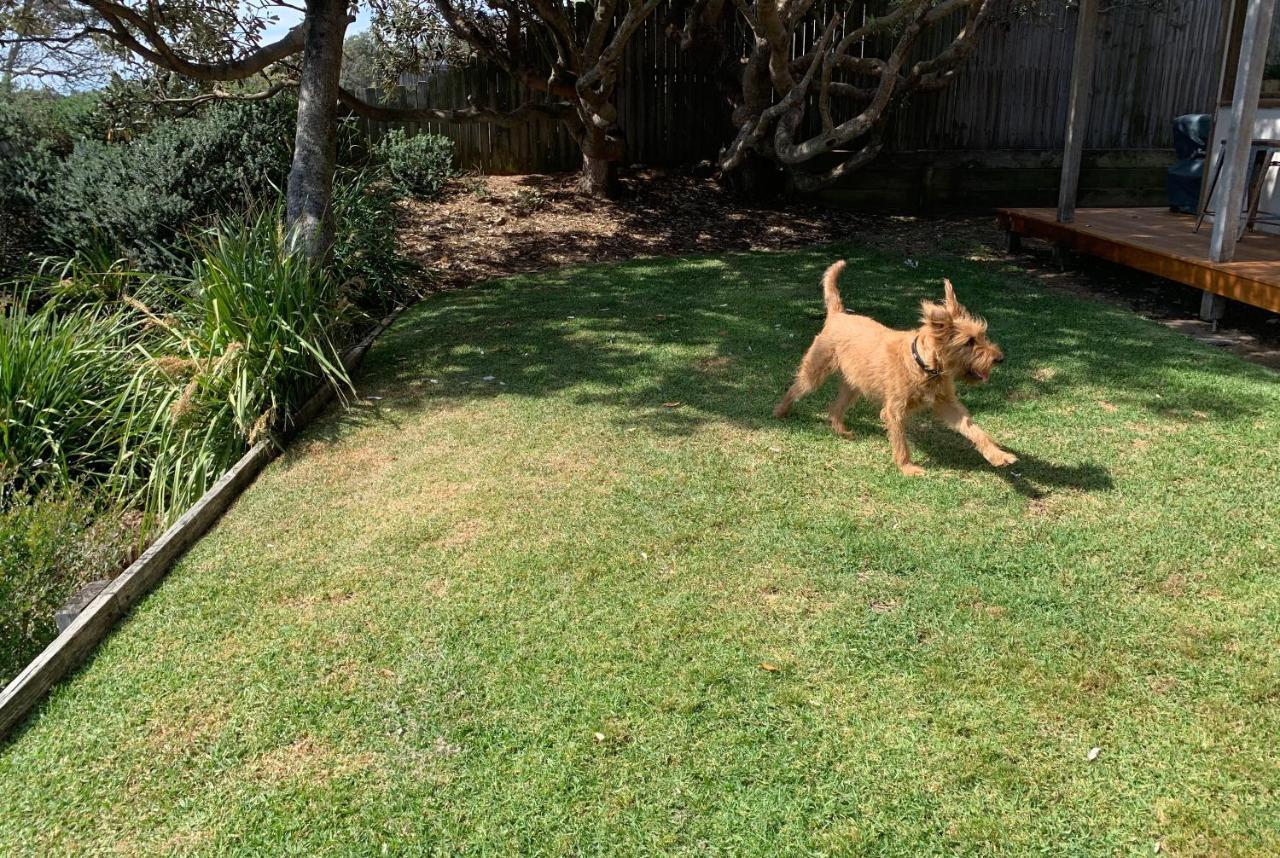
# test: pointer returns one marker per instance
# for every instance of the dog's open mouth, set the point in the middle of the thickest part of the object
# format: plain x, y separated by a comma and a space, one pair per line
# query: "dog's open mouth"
978, 375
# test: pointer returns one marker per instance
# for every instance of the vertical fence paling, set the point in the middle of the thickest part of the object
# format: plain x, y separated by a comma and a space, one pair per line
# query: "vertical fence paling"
1011, 95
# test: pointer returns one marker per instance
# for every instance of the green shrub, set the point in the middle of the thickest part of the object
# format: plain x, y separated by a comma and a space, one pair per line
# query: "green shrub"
141, 197
418, 165
476, 185
367, 262
28, 162
154, 396
51, 544
58, 121
526, 201
91, 276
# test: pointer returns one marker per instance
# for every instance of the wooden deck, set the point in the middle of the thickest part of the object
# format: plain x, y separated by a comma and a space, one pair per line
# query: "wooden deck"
1162, 243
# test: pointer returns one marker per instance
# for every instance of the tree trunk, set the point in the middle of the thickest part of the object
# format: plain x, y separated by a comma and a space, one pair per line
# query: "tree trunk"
599, 176
310, 189
601, 153
757, 178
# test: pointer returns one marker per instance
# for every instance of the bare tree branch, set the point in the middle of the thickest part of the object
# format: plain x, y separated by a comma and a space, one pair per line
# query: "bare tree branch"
852, 88
793, 101
142, 36
186, 104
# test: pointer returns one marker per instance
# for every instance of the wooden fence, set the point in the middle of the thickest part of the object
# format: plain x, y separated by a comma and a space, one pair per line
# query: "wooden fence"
1153, 64
534, 147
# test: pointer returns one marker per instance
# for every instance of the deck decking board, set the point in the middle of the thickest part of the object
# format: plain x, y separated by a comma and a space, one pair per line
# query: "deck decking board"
1163, 243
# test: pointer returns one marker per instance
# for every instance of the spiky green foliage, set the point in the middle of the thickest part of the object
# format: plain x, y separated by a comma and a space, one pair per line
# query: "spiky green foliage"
61, 380
250, 334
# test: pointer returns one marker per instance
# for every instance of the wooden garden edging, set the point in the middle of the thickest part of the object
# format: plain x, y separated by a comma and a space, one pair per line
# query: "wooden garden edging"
78, 640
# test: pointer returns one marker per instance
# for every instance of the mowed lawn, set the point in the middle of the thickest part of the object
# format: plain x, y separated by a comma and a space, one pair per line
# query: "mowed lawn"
559, 584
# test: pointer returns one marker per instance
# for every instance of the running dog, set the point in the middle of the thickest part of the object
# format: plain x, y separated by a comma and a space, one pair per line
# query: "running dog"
905, 371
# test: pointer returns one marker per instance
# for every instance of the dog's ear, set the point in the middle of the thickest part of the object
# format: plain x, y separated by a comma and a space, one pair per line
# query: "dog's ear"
953, 306
936, 317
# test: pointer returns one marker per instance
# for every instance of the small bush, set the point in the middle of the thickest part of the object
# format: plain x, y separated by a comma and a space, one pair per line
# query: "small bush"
476, 185
51, 544
251, 334
418, 165
373, 274
526, 201
91, 275
140, 197
154, 396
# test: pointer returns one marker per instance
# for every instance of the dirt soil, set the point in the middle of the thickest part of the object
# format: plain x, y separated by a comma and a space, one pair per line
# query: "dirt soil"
492, 226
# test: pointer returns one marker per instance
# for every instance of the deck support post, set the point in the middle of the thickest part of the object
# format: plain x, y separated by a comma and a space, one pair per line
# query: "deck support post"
1212, 308
1012, 242
1238, 133
1078, 108
1061, 255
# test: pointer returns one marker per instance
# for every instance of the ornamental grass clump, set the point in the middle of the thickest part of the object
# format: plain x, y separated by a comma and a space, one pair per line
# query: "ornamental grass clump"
252, 332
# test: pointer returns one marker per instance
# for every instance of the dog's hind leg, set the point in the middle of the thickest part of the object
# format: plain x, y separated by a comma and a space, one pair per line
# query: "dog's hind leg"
845, 398
957, 417
815, 366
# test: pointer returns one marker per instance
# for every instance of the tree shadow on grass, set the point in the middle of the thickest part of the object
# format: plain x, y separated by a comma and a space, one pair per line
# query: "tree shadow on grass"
675, 344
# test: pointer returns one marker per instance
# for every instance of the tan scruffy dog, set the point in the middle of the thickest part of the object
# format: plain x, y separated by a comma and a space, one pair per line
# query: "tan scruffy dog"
903, 370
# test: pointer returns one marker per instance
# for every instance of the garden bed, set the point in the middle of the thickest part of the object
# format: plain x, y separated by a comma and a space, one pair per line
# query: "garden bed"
169, 331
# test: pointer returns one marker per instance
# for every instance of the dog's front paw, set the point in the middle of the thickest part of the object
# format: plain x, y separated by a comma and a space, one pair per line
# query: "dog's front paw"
910, 470
1001, 458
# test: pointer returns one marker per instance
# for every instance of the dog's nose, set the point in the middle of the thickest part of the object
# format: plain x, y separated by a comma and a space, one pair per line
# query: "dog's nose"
1000, 359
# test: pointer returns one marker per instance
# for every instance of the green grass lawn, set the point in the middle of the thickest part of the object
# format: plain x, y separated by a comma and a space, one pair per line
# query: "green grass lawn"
550, 612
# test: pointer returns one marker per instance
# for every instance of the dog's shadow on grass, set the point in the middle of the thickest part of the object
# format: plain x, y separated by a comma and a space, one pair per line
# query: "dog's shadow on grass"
1031, 476
939, 451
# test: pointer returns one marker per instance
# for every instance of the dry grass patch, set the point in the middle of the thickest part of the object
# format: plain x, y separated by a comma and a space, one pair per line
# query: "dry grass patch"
186, 727
306, 759
462, 534
1045, 374
802, 601
714, 365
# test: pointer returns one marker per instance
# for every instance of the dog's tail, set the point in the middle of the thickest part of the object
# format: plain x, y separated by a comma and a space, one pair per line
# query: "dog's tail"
830, 293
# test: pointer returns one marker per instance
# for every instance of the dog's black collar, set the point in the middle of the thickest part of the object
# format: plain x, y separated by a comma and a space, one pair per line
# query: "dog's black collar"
932, 372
